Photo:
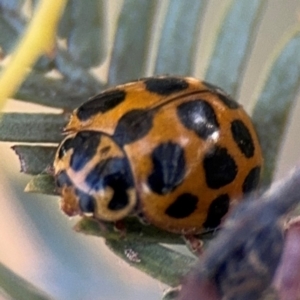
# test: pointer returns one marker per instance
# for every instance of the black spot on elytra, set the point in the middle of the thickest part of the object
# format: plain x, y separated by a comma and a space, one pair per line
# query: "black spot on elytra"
220, 168
199, 116
120, 196
133, 126
165, 86
66, 145
116, 174
86, 202
62, 179
109, 170
168, 168
100, 104
252, 179
242, 137
183, 206
222, 95
217, 210
85, 145
230, 103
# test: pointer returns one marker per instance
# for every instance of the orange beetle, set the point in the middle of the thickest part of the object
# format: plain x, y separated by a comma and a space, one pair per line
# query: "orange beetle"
174, 149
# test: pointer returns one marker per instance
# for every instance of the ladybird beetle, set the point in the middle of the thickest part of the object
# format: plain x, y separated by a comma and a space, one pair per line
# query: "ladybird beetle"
175, 150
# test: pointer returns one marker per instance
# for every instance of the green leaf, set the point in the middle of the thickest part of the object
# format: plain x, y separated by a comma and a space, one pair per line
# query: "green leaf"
12, 5
8, 36
233, 44
76, 74
35, 128
11, 23
178, 44
51, 92
275, 99
157, 261
131, 45
83, 26
43, 184
18, 288
35, 159
66, 22
135, 231
44, 64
